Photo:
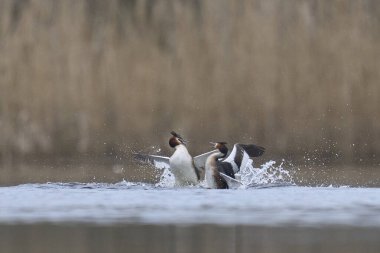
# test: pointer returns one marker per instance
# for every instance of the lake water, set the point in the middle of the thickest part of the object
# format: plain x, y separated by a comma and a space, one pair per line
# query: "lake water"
270, 213
125, 203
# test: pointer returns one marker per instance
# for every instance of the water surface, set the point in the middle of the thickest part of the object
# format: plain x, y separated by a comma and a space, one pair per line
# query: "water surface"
271, 212
127, 202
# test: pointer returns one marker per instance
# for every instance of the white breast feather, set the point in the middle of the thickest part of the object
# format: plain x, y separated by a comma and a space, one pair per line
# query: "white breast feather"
181, 165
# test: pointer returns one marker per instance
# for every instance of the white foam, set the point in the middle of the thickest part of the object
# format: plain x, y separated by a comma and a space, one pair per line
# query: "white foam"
167, 179
268, 173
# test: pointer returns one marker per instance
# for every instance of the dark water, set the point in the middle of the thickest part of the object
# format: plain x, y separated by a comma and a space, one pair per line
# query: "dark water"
87, 238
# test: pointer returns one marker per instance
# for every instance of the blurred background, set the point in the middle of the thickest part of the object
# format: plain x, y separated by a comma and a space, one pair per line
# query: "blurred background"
87, 82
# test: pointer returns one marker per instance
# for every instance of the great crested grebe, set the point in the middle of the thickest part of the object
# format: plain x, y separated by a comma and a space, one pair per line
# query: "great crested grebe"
219, 167
182, 163
163, 162
188, 170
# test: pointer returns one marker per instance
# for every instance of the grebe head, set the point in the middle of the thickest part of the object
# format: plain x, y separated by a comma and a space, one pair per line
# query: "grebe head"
221, 146
176, 140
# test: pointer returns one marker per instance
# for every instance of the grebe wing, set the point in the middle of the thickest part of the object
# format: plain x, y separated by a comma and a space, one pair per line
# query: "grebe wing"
159, 162
200, 160
252, 150
231, 182
241, 153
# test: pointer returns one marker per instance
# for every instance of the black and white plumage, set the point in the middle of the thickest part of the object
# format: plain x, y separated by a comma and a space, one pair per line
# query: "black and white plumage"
213, 170
163, 162
239, 156
228, 164
159, 162
181, 163
221, 169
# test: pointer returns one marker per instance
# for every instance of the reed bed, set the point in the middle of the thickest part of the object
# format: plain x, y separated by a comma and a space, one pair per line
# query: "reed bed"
300, 77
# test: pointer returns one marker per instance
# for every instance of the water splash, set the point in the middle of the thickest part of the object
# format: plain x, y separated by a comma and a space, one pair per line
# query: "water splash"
166, 180
268, 174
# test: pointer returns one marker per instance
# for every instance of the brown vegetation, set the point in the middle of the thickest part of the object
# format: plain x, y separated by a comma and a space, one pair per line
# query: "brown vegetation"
294, 76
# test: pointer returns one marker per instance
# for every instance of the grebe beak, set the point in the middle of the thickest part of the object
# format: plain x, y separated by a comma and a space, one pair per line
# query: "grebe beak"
183, 141
213, 144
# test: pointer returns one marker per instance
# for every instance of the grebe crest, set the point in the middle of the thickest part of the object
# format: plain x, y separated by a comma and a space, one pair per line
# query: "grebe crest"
176, 140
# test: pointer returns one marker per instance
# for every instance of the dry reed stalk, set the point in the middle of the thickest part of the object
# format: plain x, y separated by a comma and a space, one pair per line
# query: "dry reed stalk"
92, 76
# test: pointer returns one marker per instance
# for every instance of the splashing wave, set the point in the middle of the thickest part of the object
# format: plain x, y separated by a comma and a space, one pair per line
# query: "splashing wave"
269, 174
